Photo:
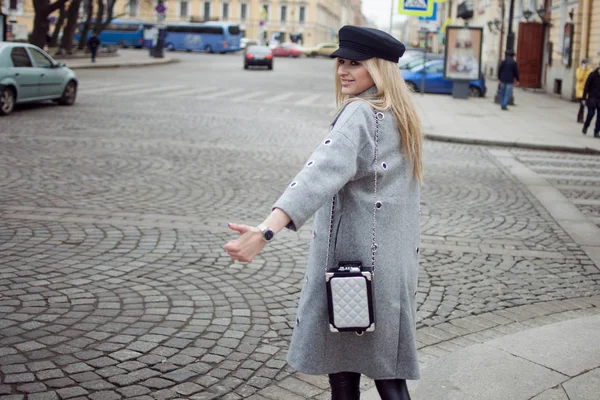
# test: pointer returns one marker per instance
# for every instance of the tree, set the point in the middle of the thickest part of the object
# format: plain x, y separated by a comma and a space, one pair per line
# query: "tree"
104, 18
89, 10
41, 26
66, 42
62, 16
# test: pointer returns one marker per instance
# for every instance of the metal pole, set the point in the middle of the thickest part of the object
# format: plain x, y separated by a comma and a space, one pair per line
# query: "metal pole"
391, 15
510, 38
424, 71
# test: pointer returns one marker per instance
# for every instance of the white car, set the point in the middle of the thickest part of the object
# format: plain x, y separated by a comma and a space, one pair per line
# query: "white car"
29, 74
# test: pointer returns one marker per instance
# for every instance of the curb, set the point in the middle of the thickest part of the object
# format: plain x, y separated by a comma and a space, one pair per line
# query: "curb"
521, 145
126, 64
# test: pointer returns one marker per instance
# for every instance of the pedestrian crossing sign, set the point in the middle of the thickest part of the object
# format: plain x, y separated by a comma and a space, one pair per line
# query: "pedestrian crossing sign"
417, 8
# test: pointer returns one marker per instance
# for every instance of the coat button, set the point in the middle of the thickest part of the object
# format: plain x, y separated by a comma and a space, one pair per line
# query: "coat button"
418, 250
314, 234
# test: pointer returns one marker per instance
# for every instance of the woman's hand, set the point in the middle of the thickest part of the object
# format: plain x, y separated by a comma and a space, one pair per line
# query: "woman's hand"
247, 246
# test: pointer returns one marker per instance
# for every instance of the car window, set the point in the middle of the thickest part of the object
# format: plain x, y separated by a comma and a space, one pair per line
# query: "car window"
41, 61
435, 68
19, 57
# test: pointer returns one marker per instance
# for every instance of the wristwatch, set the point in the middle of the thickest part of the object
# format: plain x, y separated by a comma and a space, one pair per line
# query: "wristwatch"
267, 233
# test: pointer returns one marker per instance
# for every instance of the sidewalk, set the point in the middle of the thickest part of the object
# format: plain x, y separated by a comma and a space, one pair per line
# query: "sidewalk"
124, 58
560, 361
537, 120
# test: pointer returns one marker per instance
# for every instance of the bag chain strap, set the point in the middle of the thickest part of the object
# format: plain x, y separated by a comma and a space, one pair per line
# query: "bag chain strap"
378, 116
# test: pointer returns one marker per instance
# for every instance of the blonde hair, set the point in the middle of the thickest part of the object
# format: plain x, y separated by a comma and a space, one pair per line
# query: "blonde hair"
392, 94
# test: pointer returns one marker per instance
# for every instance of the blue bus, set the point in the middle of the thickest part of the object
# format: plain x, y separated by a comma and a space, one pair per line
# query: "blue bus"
212, 37
120, 32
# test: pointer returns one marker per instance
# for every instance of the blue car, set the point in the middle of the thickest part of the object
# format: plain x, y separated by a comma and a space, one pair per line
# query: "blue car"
435, 82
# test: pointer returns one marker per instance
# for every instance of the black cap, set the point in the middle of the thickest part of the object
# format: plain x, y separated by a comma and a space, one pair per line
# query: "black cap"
357, 43
509, 53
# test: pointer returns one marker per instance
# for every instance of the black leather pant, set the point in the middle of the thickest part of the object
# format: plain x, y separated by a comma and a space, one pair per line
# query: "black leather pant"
346, 386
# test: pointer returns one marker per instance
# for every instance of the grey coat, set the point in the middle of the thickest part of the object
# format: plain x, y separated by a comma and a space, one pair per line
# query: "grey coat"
344, 167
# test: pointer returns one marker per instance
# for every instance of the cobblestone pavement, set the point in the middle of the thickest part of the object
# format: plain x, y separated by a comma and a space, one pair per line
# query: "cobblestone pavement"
113, 281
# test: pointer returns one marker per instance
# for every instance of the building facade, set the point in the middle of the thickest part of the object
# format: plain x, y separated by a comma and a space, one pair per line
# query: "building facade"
551, 37
308, 22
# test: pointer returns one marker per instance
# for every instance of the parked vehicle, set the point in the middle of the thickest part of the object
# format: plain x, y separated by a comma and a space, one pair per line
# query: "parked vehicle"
323, 49
287, 50
29, 74
412, 59
212, 37
245, 42
258, 56
435, 82
119, 32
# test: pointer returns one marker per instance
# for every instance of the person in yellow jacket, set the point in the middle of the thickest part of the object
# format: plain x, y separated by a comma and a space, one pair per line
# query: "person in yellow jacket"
581, 75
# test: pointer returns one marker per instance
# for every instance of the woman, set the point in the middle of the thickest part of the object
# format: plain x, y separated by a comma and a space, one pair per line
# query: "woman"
581, 75
368, 86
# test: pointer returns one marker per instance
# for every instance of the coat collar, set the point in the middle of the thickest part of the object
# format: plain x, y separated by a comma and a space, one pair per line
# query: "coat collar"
369, 93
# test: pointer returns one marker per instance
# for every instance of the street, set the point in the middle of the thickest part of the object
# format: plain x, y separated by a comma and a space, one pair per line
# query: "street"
113, 214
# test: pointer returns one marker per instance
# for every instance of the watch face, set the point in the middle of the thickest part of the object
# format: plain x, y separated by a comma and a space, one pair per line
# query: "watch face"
268, 235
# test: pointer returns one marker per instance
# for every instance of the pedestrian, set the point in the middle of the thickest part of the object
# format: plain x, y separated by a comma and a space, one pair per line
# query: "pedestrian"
581, 75
376, 133
508, 75
591, 98
93, 44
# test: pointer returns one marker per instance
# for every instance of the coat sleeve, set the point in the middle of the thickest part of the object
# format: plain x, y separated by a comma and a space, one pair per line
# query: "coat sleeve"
336, 161
586, 89
500, 68
516, 72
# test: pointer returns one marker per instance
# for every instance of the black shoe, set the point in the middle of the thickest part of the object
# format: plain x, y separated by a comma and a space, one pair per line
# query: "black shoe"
584, 130
504, 108
596, 135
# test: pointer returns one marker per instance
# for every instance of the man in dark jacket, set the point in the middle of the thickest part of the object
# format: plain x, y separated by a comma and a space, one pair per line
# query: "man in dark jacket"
508, 75
93, 44
591, 98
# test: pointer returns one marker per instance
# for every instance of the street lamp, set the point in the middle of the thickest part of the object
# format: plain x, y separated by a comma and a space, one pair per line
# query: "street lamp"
527, 14
541, 12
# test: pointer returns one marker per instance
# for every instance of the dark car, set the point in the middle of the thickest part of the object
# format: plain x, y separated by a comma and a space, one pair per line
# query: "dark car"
258, 56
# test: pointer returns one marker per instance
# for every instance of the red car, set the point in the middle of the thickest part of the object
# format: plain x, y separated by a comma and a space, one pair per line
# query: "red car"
287, 50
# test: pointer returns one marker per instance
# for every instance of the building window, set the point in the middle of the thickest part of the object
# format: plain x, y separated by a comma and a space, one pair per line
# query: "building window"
206, 10
283, 13
13, 4
184, 9
302, 14
132, 7
225, 14
244, 12
265, 13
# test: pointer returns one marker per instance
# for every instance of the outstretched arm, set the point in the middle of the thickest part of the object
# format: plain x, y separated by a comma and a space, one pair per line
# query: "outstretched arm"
250, 242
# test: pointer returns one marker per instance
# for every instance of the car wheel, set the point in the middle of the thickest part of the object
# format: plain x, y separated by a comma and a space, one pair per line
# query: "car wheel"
69, 95
170, 47
208, 48
270, 66
7, 101
245, 66
474, 91
313, 54
412, 86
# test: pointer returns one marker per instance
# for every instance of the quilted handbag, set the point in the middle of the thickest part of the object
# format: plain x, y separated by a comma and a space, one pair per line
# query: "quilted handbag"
349, 284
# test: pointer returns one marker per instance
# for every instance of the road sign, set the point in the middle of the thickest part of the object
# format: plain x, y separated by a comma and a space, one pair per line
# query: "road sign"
417, 8
433, 16
160, 8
